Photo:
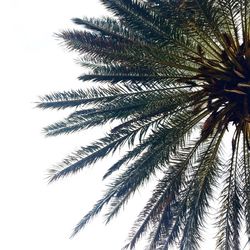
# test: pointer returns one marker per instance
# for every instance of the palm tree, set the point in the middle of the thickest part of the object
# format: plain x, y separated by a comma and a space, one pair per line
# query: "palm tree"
173, 76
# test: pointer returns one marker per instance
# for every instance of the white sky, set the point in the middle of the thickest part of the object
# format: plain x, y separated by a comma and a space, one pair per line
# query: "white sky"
34, 215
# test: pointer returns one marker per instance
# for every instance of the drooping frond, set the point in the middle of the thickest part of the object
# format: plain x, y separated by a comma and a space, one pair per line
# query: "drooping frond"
162, 143
231, 209
164, 194
199, 191
245, 161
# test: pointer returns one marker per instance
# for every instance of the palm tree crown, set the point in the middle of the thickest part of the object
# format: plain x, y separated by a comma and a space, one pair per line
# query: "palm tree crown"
174, 76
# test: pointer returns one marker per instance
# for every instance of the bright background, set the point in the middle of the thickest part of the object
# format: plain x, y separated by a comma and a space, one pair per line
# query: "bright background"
33, 214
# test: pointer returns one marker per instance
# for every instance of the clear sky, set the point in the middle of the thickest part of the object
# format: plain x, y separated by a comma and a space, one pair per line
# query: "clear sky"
33, 214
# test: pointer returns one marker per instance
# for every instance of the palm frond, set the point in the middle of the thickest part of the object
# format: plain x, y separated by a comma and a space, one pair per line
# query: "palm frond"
164, 194
231, 209
140, 171
169, 78
200, 191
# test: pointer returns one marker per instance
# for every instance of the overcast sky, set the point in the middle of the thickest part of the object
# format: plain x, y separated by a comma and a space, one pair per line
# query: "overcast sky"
33, 214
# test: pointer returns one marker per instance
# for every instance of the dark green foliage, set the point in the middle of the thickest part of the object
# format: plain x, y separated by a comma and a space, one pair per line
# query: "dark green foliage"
172, 77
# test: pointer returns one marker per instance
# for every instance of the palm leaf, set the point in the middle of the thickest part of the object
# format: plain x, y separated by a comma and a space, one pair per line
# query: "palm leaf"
169, 78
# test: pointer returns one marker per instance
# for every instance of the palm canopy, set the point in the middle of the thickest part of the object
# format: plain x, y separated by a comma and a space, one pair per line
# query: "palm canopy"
166, 69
